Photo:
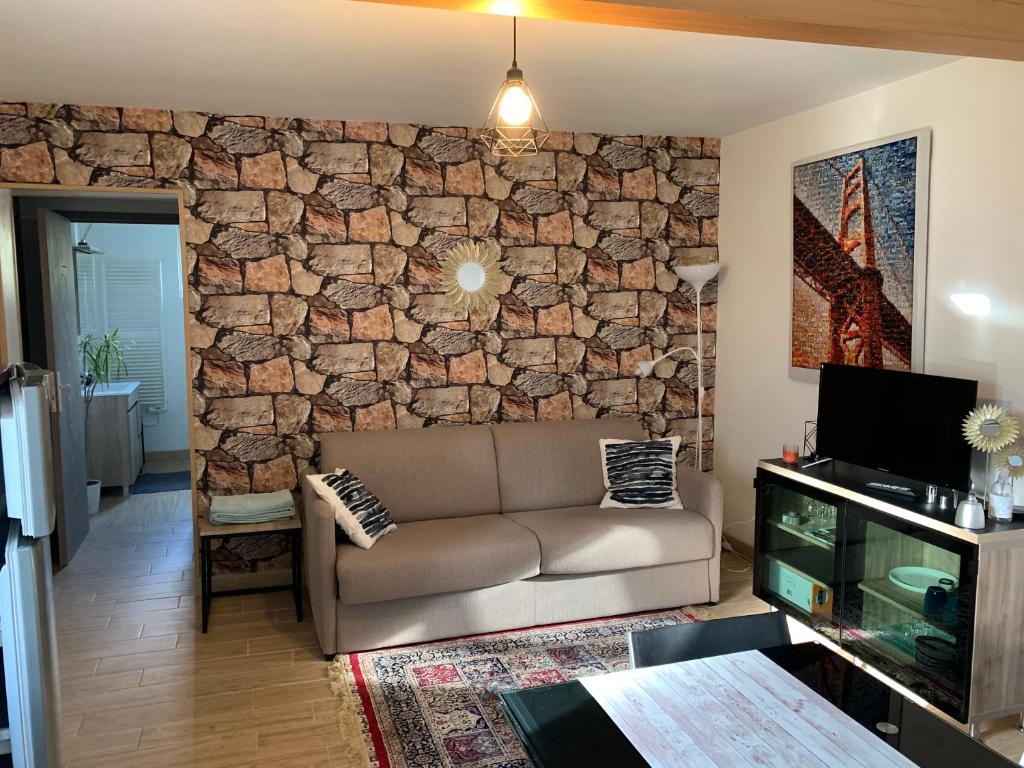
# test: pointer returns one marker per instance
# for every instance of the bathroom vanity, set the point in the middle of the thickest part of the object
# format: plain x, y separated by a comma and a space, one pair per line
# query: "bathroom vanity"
114, 440
892, 582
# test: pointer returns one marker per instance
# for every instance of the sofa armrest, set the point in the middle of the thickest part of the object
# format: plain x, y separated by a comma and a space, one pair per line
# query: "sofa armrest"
702, 493
320, 553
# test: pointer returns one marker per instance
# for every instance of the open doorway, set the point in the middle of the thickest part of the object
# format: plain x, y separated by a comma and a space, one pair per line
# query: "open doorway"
102, 291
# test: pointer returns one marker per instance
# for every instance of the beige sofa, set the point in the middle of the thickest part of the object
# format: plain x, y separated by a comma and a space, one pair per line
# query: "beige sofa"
499, 527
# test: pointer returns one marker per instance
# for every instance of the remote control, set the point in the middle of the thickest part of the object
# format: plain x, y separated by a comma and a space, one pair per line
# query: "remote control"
902, 490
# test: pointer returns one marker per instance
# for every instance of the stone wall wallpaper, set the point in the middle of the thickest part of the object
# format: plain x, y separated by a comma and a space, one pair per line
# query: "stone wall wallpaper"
313, 252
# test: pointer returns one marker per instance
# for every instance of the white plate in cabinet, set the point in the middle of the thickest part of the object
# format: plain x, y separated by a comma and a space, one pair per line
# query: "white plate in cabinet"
114, 435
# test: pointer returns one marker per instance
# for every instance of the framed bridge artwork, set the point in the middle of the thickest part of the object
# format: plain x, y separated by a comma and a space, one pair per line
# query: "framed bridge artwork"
860, 244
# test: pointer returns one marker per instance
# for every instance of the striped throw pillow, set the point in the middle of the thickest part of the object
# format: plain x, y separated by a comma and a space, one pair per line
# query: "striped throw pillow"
360, 515
640, 474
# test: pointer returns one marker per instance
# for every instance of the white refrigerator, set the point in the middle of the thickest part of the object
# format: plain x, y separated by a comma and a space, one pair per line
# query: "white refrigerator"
30, 737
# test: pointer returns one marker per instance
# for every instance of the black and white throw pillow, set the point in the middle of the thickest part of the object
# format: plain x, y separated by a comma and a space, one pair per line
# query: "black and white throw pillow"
359, 514
640, 474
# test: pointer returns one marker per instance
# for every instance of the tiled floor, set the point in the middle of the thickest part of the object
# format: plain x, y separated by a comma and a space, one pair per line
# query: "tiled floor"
142, 688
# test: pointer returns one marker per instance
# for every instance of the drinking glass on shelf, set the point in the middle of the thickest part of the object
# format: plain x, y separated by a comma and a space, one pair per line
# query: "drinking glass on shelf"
819, 511
790, 453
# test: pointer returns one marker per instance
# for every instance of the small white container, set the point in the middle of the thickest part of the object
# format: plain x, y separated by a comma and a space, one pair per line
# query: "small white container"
1000, 499
1000, 507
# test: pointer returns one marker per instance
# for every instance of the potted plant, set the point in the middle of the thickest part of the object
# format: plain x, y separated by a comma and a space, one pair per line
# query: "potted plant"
102, 358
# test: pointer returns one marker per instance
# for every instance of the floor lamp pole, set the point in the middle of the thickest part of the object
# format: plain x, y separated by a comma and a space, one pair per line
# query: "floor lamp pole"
700, 389
698, 275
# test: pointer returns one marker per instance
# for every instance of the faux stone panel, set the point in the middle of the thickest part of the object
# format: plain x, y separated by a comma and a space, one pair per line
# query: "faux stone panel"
315, 252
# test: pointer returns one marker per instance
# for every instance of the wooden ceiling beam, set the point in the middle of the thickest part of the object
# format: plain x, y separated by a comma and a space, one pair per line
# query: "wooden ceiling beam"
982, 28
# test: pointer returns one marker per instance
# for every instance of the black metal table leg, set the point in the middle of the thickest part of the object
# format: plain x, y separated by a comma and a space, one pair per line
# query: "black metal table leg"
206, 580
208, 532
297, 573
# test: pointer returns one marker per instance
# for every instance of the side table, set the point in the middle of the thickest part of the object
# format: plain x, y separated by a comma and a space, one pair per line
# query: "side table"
291, 528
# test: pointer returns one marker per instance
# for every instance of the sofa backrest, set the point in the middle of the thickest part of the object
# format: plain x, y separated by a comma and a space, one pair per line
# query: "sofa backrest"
421, 474
555, 464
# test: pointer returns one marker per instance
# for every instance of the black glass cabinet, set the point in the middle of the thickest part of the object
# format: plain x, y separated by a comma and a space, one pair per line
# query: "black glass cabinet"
895, 593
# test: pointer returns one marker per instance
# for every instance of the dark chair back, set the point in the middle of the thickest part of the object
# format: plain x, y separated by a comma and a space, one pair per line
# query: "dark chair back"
682, 642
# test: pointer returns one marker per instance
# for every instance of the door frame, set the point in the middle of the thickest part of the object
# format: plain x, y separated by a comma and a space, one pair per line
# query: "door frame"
10, 299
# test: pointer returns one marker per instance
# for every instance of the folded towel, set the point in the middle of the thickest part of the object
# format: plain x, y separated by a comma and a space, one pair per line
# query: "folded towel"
252, 502
259, 517
252, 507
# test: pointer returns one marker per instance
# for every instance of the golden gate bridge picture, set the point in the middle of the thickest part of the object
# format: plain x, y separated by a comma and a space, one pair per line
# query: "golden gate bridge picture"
859, 229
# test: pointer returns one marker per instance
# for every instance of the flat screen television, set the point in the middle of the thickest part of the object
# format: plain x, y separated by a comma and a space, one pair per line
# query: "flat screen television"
908, 424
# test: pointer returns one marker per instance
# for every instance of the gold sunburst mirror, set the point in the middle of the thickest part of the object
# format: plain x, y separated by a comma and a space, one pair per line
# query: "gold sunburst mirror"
989, 428
471, 275
1011, 460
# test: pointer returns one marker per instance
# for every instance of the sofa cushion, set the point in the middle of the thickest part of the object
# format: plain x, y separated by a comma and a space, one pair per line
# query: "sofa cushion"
592, 539
421, 474
547, 465
640, 473
358, 513
432, 557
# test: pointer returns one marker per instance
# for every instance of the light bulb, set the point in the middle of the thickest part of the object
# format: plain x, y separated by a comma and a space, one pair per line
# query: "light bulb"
515, 107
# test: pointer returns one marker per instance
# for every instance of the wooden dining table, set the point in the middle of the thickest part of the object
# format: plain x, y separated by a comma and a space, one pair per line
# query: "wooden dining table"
799, 706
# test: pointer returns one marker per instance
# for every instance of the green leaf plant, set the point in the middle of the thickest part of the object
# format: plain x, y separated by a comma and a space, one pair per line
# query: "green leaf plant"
102, 360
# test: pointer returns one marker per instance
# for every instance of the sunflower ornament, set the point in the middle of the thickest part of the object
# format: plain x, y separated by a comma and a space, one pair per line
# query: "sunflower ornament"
471, 275
1011, 461
989, 428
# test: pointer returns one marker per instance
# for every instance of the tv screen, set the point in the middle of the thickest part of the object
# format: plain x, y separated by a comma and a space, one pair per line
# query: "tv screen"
908, 424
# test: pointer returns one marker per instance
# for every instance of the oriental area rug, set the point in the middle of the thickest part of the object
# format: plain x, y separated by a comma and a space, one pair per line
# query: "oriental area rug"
437, 705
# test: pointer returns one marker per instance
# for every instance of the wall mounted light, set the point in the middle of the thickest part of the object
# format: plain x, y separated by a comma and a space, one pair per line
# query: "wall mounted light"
514, 125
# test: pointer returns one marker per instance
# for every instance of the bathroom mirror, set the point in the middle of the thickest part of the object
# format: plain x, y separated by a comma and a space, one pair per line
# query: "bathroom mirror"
471, 274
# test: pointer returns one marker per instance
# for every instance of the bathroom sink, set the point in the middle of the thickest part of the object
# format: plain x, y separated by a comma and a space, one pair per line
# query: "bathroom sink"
117, 388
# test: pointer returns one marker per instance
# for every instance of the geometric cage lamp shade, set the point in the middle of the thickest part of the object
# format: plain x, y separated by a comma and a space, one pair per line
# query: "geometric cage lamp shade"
514, 125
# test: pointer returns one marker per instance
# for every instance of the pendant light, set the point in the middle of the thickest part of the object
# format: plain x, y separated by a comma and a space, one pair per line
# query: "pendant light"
514, 125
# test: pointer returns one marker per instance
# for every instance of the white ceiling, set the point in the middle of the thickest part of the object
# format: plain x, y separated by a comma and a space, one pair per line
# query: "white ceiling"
360, 61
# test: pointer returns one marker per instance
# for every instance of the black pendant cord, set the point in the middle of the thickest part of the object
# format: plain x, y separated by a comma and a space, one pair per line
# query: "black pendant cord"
514, 64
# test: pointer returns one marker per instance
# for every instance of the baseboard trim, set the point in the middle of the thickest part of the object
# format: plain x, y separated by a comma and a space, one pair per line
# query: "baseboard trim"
741, 548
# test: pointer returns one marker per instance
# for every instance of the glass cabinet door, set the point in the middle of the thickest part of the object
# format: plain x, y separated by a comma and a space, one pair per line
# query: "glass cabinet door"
796, 568
908, 605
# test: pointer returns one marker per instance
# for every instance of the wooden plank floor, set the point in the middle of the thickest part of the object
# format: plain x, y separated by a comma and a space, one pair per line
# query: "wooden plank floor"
142, 688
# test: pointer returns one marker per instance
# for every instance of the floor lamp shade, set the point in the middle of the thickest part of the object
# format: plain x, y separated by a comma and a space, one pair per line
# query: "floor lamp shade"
698, 275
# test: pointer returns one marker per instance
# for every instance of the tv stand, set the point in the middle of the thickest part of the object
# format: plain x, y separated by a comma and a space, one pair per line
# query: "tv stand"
854, 562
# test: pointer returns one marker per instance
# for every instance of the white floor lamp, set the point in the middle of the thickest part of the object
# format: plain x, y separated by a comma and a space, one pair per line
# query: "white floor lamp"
697, 276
